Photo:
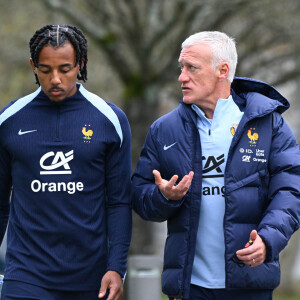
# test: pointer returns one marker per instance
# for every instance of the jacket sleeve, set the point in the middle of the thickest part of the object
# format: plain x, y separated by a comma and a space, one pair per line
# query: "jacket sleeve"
281, 218
5, 190
118, 205
146, 198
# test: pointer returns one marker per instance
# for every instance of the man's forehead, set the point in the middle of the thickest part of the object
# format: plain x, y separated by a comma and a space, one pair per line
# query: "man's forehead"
194, 52
187, 55
65, 52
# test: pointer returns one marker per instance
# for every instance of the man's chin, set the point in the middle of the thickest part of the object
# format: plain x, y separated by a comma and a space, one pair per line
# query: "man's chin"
187, 100
56, 97
57, 100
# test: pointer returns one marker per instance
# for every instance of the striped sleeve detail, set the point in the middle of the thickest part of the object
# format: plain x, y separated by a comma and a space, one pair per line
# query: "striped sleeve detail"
104, 108
18, 105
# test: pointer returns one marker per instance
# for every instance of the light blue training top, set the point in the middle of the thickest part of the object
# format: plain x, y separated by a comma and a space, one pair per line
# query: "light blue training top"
216, 136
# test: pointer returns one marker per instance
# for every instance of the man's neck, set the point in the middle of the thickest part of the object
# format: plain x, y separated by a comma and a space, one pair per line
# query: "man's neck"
208, 107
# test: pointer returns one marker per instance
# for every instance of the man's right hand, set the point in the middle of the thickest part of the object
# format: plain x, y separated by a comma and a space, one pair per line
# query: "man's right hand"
169, 189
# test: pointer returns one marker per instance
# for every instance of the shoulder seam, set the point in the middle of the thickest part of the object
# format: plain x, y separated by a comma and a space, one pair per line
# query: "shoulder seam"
105, 109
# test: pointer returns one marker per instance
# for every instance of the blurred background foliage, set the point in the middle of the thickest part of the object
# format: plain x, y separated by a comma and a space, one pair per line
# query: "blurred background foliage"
133, 52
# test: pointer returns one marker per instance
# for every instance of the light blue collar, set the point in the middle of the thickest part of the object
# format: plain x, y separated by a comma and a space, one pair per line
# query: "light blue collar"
221, 104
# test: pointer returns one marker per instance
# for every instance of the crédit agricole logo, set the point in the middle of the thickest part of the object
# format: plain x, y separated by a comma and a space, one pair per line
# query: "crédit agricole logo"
56, 164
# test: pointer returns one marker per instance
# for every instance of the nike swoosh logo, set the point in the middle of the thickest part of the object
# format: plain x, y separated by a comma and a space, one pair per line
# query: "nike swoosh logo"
167, 147
24, 132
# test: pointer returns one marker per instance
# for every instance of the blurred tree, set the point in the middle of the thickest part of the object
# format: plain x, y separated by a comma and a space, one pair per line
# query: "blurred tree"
14, 65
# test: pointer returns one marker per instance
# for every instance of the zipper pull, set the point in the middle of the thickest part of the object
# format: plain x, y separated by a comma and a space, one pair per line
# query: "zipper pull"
209, 131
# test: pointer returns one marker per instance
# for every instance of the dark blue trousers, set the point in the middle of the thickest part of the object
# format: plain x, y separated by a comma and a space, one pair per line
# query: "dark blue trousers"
17, 290
200, 293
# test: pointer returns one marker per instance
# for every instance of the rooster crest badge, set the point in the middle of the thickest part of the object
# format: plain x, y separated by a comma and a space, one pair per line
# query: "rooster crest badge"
253, 137
233, 128
87, 133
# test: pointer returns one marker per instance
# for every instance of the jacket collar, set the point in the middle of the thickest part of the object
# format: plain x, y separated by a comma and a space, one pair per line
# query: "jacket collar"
257, 98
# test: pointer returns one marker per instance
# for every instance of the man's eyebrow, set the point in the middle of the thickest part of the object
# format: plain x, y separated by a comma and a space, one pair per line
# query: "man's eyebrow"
42, 65
66, 65
61, 66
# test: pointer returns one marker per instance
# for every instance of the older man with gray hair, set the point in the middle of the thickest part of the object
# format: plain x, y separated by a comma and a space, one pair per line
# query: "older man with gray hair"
223, 169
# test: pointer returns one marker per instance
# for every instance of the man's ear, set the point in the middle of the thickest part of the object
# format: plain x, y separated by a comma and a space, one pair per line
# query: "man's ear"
82, 64
223, 71
32, 65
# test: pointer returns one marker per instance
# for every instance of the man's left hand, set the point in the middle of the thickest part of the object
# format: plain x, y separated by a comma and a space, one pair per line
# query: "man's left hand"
254, 255
112, 281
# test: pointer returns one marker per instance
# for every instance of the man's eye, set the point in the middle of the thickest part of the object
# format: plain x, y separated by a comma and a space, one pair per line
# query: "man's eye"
44, 71
65, 71
192, 68
189, 68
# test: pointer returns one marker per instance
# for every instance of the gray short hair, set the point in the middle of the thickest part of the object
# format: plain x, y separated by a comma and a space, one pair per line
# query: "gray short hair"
222, 46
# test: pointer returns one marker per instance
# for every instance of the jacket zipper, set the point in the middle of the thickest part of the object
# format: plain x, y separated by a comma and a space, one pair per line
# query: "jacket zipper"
181, 294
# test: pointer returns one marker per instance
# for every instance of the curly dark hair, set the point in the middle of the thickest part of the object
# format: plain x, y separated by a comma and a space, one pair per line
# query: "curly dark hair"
56, 36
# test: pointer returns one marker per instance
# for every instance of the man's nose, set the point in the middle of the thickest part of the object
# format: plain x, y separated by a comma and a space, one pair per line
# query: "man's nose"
55, 78
183, 77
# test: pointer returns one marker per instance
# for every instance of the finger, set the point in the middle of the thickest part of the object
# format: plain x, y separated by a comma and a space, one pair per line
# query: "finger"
181, 188
172, 182
253, 235
188, 180
185, 181
245, 253
157, 176
254, 262
119, 293
103, 288
191, 175
254, 258
112, 294
115, 294
182, 183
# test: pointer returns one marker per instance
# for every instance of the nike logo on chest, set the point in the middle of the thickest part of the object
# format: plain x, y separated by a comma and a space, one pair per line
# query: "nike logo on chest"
25, 132
167, 147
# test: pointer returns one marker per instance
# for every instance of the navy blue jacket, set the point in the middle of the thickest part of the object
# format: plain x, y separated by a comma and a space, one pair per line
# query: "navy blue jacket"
69, 168
262, 189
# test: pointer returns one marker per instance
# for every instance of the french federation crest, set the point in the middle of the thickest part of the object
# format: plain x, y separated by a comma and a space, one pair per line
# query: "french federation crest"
233, 129
253, 136
87, 133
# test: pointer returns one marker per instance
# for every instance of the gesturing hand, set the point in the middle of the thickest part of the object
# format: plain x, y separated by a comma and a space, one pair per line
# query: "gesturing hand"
169, 189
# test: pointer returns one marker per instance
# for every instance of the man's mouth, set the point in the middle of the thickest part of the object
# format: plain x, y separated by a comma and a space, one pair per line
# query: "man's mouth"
56, 91
185, 88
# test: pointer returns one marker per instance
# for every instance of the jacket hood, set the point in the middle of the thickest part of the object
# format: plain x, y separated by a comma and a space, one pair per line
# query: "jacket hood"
258, 95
